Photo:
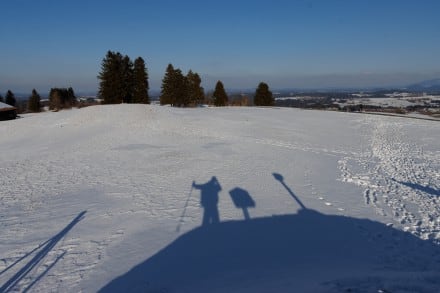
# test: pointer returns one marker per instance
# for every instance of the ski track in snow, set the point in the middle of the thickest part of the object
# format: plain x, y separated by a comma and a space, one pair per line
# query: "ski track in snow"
400, 179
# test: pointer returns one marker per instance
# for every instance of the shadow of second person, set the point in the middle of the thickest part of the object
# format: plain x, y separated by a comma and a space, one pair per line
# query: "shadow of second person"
209, 200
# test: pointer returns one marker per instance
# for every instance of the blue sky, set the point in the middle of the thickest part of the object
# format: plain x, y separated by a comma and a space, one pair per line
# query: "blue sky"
288, 44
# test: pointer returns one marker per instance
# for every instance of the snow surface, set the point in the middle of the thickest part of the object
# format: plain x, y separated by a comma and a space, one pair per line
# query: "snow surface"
398, 100
5, 106
102, 199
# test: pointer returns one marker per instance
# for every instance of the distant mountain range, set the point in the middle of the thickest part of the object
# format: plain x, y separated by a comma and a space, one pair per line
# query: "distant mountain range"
426, 85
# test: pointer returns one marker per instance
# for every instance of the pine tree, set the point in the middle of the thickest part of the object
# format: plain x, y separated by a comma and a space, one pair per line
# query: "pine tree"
263, 96
61, 98
166, 95
1, 99
116, 79
140, 88
55, 100
220, 96
127, 79
10, 99
180, 89
70, 100
34, 104
195, 91
107, 76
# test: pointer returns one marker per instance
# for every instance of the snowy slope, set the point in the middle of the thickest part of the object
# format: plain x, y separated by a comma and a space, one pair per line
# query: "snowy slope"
102, 198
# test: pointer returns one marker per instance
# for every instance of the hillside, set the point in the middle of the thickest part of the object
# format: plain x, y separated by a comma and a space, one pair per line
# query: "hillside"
426, 85
113, 198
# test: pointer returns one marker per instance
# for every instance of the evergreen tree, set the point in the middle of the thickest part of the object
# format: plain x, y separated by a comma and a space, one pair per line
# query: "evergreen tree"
34, 104
1, 99
263, 96
61, 98
70, 100
140, 89
70, 95
55, 100
127, 79
180, 89
116, 79
10, 99
220, 96
195, 91
107, 76
166, 94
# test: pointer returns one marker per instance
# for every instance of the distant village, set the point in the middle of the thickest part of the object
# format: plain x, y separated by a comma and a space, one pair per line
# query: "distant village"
389, 101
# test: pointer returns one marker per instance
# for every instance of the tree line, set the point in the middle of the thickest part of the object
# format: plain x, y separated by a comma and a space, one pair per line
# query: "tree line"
59, 98
122, 81
181, 90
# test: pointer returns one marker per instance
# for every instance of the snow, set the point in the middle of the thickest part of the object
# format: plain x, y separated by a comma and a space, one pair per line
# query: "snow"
102, 198
5, 106
398, 100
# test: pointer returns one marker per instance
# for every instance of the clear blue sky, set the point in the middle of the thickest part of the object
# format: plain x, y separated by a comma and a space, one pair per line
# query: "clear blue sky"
287, 43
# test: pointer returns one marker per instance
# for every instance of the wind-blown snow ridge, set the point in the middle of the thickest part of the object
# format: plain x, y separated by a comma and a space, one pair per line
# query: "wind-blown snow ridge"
131, 168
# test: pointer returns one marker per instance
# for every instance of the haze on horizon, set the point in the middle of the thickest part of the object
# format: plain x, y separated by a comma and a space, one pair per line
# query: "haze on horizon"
288, 44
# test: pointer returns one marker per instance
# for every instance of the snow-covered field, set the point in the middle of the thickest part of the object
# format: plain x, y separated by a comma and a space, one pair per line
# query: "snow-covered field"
397, 101
102, 198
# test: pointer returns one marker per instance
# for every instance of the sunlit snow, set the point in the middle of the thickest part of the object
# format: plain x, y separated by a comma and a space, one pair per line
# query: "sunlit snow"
142, 198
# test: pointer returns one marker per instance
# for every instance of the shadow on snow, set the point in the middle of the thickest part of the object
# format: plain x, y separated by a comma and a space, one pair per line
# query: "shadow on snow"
304, 248
415, 186
41, 251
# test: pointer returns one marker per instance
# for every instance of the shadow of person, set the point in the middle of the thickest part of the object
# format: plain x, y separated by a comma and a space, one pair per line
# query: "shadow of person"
209, 200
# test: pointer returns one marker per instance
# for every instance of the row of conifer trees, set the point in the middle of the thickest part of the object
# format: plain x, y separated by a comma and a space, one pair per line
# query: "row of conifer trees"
181, 90
59, 98
122, 81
